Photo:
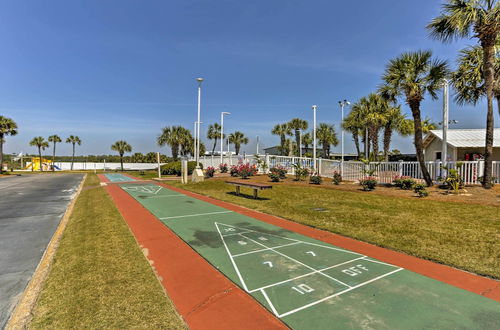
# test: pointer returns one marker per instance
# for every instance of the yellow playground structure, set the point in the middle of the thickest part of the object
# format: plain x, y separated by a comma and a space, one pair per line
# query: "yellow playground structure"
35, 164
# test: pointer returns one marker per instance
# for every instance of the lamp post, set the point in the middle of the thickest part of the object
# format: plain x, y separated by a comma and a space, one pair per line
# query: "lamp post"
314, 107
197, 151
444, 146
257, 151
342, 105
222, 134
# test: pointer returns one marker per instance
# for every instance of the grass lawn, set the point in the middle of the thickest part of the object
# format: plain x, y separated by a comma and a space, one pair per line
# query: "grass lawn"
100, 278
465, 236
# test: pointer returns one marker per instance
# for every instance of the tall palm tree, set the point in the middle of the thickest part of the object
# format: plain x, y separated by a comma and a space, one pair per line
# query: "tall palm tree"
307, 140
412, 75
468, 79
74, 140
393, 120
54, 139
7, 127
41, 144
298, 125
351, 125
407, 126
214, 134
122, 147
479, 19
326, 136
375, 118
174, 137
237, 138
282, 130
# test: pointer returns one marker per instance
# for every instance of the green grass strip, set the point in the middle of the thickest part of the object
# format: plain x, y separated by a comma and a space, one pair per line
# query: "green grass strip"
99, 277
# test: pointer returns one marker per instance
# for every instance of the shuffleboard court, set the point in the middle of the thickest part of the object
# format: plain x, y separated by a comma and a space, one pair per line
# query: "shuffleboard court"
310, 284
118, 177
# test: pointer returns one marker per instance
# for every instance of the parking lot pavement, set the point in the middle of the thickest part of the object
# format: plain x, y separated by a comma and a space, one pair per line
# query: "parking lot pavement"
31, 207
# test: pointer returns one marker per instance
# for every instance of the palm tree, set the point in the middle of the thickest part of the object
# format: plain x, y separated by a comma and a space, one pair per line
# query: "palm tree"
54, 139
214, 134
393, 120
297, 125
375, 118
468, 79
7, 127
122, 147
41, 144
411, 75
351, 125
74, 140
326, 136
174, 137
138, 157
307, 140
407, 126
237, 138
480, 19
282, 130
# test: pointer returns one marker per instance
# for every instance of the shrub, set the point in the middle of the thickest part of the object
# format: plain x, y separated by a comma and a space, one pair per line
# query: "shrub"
174, 168
300, 172
404, 182
420, 190
233, 170
337, 178
246, 170
223, 168
368, 183
209, 172
454, 180
274, 177
315, 179
281, 171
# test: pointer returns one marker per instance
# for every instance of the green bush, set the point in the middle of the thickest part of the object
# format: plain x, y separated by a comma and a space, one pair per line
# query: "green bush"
337, 178
420, 190
274, 177
174, 168
315, 179
300, 172
368, 183
279, 170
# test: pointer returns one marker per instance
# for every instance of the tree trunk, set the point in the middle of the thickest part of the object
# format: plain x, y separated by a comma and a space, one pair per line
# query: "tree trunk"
283, 142
73, 157
215, 144
40, 155
387, 141
488, 45
237, 149
374, 139
53, 157
325, 150
297, 141
1, 153
419, 143
175, 151
355, 137
121, 161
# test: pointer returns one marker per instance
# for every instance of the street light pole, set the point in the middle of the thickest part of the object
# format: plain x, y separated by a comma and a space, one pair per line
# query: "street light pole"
222, 134
342, 105
444, 146
314, 107
197, 152
257, 145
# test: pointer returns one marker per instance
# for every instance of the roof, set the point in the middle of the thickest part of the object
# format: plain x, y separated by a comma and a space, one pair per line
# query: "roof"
464, 138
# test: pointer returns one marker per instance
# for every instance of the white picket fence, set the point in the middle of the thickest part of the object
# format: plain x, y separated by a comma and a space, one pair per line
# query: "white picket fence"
99, 166
471, 171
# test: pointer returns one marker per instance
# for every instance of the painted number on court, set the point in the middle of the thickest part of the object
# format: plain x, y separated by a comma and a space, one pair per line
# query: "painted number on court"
355, 270
229, 229
311, 253
242, 243
303, 288
270, 264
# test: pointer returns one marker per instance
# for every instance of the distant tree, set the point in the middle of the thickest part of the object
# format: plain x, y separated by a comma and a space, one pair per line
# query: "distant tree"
7, 127
479, 19
392, 122
176, 137
282, 130
74, 140
412, 75
150, 157
214, 134
307, 140
41, 144
297, 125
237, 138
326, 136
137, 157
121, 147
54, 139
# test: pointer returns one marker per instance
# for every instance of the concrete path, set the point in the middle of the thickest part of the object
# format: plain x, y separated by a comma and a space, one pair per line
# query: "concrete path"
31, 207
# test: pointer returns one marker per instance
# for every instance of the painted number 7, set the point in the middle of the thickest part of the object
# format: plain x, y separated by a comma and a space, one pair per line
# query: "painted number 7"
303, 288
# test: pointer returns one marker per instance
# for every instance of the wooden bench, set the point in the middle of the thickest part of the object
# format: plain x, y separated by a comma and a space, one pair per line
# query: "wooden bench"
255, 186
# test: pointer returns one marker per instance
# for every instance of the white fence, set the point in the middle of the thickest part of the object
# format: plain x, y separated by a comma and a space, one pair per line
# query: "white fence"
99, 166
471, 171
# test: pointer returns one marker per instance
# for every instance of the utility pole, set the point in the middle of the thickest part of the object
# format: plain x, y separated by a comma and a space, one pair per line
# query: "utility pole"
444, 146
314, 107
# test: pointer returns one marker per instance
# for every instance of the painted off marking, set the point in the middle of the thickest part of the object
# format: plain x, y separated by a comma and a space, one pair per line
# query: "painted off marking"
194, 215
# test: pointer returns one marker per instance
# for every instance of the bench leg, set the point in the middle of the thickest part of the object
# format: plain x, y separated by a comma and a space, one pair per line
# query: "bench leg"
238, 190
255, 193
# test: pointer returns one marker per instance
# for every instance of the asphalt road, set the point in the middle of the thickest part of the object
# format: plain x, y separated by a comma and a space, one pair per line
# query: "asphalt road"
31, 207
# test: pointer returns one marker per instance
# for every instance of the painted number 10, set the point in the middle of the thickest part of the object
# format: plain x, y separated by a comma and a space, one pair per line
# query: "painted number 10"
302, 288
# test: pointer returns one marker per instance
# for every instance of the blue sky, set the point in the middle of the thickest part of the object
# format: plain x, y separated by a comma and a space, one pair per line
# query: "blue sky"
122, 69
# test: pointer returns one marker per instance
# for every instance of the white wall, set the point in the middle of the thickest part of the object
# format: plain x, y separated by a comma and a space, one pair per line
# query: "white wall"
435, 146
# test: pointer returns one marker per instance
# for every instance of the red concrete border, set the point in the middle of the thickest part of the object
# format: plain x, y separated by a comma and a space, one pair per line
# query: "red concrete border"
204, 297
103, 178
478, 284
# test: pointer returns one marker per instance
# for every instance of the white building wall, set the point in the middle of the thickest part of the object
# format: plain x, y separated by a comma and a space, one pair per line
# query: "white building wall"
435, 146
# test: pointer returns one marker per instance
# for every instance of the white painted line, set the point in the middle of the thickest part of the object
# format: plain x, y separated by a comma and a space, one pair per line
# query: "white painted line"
269, 302
161, 196
294, 260
260, 250
305, 275
380, 262
338, 293
194, 215
334, 248
236, 233
232, 259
